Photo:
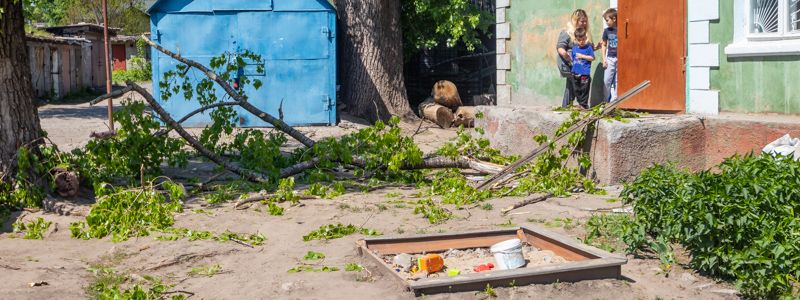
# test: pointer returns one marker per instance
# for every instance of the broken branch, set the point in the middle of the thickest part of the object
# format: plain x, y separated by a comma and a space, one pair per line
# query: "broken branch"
204, 108
112, 95
249, 175
197, 111
525, 202
241, 101
262, 197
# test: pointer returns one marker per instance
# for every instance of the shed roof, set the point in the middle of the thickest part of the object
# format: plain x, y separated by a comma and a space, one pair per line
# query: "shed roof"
57, 40
150, 4
81, 28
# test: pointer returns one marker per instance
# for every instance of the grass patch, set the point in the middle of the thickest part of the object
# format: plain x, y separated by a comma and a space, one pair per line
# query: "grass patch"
206, 271
331, 231
33, 230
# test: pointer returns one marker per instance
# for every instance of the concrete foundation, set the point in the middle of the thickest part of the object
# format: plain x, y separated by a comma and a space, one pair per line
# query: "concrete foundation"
621, 150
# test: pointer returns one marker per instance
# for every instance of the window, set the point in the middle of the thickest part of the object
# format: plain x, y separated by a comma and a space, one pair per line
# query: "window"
794, 16
765, 28
773, 19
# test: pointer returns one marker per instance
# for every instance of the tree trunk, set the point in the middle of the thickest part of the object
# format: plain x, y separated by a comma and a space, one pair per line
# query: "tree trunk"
372, 59
19, 120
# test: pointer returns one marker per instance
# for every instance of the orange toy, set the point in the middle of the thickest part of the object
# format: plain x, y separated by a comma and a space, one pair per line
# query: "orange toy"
431, 263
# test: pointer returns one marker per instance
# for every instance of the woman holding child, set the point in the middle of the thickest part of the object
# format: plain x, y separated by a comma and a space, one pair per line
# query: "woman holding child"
576, 54
565, 44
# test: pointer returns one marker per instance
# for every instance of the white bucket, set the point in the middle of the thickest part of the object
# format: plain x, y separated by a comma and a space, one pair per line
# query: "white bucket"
508, 254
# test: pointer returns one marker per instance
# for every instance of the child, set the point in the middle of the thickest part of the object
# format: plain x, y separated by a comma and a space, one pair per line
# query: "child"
610, 54
582, 57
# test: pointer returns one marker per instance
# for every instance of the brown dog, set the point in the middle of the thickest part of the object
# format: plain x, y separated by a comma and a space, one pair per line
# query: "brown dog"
445, 93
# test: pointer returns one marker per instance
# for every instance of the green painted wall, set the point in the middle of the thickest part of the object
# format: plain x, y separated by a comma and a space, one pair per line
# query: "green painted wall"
535, 25
760, 84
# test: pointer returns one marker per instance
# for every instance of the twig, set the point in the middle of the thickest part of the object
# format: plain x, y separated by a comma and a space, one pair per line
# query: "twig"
527, 202
240, 242
213, 178
422, 120
188, 258
251, 200
278, 123
367, 220
114, 95
180, 292
197, 111
266, 197
10, 267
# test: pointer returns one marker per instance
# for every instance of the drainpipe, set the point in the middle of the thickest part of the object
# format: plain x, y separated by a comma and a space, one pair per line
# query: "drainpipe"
108, 67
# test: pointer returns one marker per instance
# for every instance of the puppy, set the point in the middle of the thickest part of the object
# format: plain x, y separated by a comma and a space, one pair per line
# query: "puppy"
445, 93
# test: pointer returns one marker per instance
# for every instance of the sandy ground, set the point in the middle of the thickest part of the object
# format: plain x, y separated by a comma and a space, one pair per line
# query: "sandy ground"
261, 272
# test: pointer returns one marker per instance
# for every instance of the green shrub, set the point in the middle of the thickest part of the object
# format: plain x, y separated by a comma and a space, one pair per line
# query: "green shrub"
742, 222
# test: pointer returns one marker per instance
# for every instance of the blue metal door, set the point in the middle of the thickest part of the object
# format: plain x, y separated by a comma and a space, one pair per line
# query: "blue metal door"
296, 47
176, 32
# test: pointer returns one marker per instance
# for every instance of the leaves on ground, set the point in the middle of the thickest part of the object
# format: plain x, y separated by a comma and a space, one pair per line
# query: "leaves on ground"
331, 231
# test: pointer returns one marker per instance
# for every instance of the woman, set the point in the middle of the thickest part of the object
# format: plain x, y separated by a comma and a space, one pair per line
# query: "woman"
579, 19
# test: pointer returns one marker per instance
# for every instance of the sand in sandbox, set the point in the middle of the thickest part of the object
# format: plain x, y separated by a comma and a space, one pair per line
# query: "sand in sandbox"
466, 260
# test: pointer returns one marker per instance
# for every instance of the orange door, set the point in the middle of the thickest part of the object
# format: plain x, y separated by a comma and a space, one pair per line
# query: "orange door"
652, 46
118, 55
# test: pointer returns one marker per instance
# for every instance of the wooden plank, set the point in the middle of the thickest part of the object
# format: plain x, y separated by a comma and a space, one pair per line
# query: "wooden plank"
570, 243
383, 268
568, 253
439, 245
519, 279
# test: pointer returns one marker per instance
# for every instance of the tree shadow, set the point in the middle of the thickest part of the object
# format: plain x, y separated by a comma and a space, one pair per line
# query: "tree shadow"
97, 112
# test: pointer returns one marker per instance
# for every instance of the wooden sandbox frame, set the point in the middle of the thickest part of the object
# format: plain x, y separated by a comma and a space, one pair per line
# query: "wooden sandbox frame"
583, 262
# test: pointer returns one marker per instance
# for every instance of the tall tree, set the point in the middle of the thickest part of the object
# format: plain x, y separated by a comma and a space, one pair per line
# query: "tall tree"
372, 52
125, 14
375, 34
19, 120
50, 12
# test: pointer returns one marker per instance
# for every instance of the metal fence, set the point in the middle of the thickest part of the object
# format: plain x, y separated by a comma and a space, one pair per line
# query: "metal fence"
474, 73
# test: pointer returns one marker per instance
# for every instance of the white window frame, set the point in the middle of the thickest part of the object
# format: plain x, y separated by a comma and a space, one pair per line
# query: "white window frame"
788, 24
746, 44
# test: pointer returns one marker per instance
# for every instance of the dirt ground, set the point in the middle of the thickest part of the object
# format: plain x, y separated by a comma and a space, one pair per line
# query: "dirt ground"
261, 272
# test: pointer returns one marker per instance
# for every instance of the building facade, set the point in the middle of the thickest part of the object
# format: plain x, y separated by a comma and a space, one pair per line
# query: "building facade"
724, 55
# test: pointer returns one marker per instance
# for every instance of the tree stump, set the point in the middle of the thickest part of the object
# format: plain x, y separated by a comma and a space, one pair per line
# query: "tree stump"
436, 113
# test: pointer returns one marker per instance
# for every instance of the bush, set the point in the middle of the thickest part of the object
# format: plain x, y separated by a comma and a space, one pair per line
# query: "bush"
742, 222
138, 70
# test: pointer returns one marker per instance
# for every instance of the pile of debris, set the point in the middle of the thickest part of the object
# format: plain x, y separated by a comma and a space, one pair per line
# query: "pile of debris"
786, 146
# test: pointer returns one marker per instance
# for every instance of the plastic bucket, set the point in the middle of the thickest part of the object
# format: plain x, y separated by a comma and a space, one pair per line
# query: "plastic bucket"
508, 254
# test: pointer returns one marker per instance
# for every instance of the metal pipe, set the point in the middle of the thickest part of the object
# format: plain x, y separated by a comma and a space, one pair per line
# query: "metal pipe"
108, 66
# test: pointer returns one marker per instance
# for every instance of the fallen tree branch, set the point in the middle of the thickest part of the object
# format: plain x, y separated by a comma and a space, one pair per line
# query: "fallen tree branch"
197, 111
249, 175
262, 197
242, 102
112, 95
204, 108
525, 202
299, 168
441, 162
577, 126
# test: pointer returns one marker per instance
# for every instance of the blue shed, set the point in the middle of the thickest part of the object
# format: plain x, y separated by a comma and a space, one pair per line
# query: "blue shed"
296, 39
